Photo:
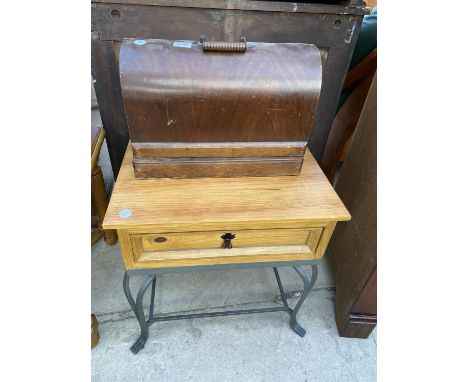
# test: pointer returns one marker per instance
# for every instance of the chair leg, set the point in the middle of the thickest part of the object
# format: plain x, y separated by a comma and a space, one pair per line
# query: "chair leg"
96, 235
98, 194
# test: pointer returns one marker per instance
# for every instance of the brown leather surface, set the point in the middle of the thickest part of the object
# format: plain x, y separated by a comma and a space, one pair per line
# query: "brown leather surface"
174, 94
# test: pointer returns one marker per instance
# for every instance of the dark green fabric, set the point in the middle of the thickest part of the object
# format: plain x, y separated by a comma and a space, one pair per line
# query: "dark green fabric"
366, 43
367, 39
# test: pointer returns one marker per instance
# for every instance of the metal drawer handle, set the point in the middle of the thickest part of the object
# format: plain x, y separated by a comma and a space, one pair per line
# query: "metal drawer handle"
160, 239
227, 237
223, 46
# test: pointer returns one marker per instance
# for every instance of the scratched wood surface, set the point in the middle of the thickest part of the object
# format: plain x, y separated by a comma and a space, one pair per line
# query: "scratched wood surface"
269, 93
265, 95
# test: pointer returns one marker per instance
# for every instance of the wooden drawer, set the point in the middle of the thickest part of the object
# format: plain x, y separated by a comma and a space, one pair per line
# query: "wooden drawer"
203, 248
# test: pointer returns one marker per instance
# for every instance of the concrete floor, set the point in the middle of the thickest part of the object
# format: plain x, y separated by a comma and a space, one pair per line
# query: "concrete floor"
258, 347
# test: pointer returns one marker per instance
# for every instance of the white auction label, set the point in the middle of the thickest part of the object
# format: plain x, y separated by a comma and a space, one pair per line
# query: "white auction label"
182, 44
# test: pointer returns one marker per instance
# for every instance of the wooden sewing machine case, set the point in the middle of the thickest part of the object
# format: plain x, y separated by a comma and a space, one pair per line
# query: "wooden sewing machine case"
215, 109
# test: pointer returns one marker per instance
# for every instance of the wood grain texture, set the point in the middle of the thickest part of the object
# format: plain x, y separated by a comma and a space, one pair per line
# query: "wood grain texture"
269, 93
224, 203
100, 201
203, 248
313, 241
185, 96
126, 248
146, 168
179, 222
187, 258
218, 149
232, 226
212, 239
325, 239
97, 138
98, 190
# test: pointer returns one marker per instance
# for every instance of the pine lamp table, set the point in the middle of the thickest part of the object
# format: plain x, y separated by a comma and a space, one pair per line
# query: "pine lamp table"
185, 225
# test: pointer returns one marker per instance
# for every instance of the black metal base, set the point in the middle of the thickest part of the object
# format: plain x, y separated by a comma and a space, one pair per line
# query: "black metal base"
137, 306
217, 314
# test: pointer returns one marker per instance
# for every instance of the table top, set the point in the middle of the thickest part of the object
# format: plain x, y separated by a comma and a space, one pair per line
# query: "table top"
210, 203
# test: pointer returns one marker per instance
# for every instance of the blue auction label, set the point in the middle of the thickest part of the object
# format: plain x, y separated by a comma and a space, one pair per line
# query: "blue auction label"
124, 214
182, 44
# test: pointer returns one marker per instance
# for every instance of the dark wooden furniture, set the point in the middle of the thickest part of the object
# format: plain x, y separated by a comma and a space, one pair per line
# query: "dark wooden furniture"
98, 190
218, 112
332, 26
353, 248
344, 124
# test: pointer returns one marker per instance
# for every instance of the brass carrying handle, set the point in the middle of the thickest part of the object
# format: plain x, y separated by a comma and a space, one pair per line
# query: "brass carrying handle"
223, 46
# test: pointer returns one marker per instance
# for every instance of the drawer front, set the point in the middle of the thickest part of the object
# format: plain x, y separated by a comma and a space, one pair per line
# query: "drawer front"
208, 240
202, 248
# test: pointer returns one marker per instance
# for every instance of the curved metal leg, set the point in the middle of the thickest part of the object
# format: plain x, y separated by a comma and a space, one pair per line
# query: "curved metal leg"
140, 343
308, 285
128, 294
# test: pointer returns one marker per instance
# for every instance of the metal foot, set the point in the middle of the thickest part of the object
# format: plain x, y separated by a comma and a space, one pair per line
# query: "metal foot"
137, 346
138, 309
308, 285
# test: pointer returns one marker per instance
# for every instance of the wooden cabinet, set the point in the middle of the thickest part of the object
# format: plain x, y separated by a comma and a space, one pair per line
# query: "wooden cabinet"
353, 249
